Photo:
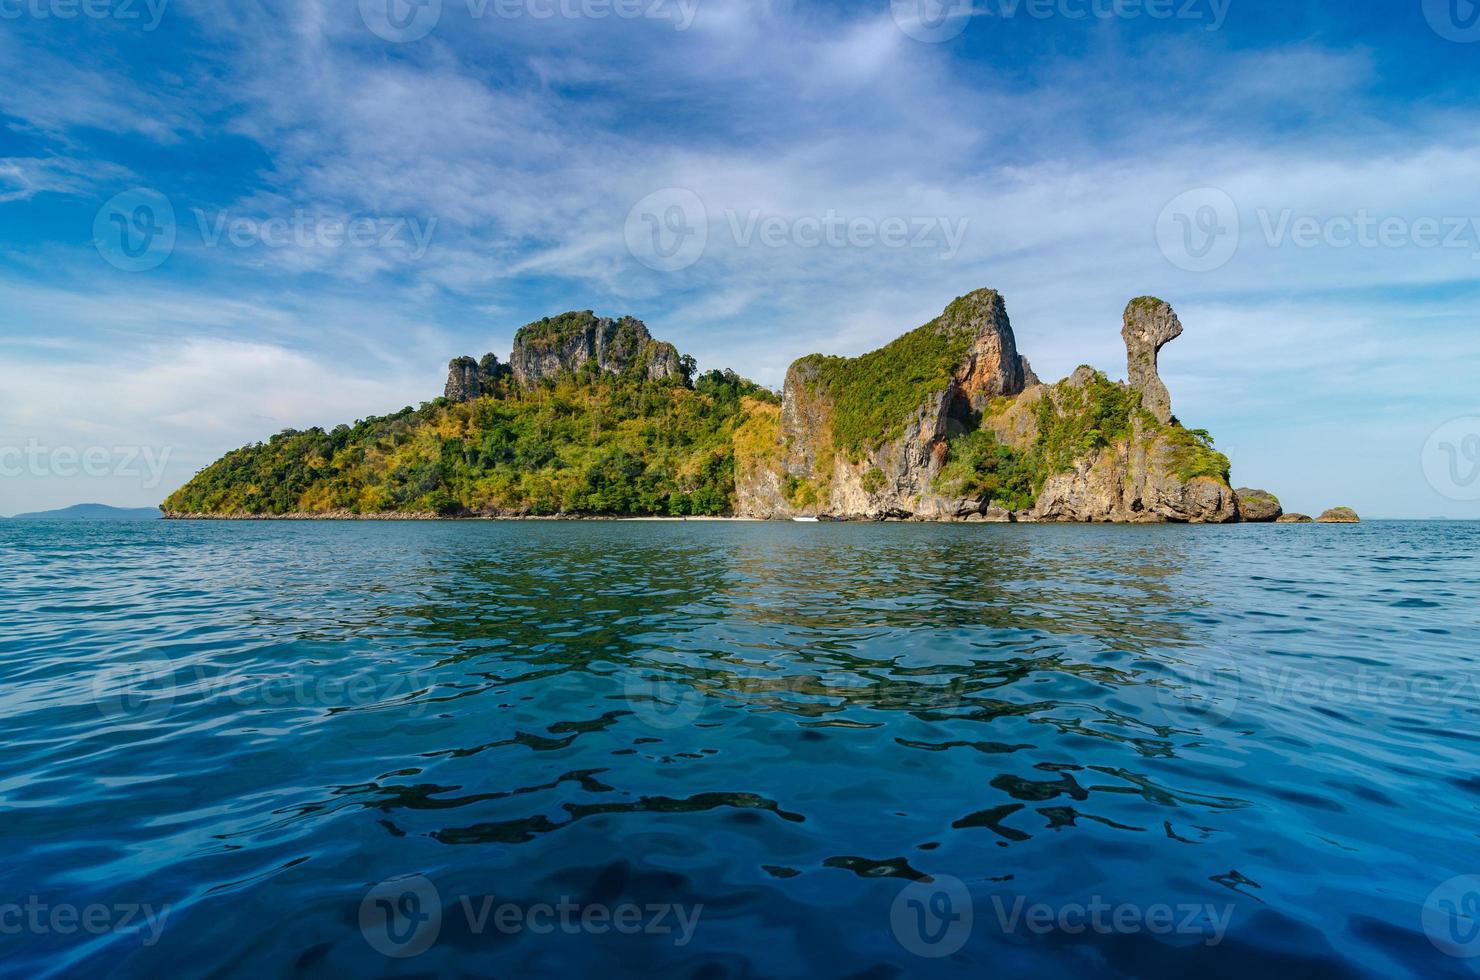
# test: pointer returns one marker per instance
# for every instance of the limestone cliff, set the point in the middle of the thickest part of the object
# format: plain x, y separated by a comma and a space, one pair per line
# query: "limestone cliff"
866, 437
1149, 325
569, 342
468, 379
1101, 457
949, 422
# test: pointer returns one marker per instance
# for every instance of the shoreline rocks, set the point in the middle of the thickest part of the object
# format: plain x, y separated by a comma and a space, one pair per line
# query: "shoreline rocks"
1258, 506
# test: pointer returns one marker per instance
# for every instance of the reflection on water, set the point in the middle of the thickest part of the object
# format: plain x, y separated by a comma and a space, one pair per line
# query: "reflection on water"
780, 730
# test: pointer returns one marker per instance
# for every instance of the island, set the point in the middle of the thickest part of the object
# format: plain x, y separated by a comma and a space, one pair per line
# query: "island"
593, 417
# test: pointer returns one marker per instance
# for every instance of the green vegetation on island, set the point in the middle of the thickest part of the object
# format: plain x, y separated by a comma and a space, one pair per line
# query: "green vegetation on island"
1073, 419
874, 395
582, 443
593, 416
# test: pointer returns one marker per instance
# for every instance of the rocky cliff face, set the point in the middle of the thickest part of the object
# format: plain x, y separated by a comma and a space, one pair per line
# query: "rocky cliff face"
918, 391
869, 437
468, 379
567, 343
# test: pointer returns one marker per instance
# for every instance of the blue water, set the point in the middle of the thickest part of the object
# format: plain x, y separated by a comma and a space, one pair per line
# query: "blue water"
257, 749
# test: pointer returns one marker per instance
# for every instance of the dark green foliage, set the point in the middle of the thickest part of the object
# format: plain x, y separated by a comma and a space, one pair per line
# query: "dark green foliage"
980, 466
1193, 455
598, 445
1076, 421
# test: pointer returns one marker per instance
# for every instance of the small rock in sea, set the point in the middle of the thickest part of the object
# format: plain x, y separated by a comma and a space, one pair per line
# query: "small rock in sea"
998, 515
1258, 506
1294, 519
1339, 515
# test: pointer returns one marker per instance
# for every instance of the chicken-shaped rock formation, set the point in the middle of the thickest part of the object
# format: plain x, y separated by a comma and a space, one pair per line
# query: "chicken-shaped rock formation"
1150, 324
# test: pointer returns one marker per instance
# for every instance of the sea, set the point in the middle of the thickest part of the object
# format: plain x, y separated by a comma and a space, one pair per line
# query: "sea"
729, 749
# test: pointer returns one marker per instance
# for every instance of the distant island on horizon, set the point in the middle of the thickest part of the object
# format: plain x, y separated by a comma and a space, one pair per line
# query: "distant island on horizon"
92, 512
593, 417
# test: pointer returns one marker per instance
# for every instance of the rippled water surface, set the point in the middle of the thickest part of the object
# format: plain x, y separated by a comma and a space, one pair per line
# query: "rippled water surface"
825, 750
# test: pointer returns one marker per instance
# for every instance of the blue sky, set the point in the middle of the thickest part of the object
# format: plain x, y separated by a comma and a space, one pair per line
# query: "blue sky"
325, 204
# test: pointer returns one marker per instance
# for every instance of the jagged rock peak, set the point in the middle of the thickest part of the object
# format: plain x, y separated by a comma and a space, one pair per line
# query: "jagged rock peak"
564, 344
1150, 324
992, 366
468, 379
